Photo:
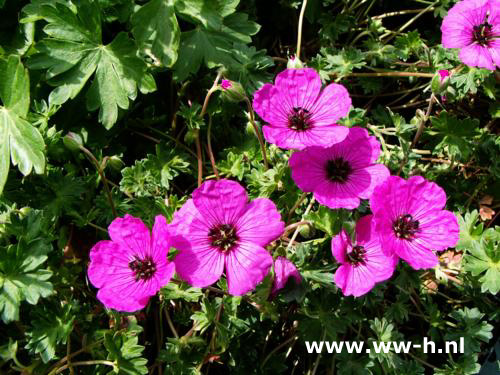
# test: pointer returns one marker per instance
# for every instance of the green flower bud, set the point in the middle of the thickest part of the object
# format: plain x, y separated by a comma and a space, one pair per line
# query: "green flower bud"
232, 91
294, 63
73, 141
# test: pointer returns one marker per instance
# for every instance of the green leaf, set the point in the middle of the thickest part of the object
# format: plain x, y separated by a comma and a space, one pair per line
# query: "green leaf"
73, 52
20, 141
471, 327
21, 275
125, 351
212, 41
456, 134
156, 30
483, 258
152, 175
50, 328
407, 44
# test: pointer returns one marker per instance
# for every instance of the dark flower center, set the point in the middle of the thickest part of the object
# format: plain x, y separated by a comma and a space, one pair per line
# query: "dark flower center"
299, 119
338, 170
405, 227
144, 269
357, 255
482, 33
223, 236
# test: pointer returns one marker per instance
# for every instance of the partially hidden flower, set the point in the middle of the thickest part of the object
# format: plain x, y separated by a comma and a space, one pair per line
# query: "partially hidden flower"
283, 271
298, 113
473, 26
362, 263
411, 221
218, 229
133, 266
342, 174
443, 74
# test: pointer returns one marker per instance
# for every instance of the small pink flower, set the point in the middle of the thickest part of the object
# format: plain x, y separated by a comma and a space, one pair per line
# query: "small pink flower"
473, 26
411, 222
342, 174
362, 264
133, 266
283, 270
219, 229
299, 113
443, 74
225, 84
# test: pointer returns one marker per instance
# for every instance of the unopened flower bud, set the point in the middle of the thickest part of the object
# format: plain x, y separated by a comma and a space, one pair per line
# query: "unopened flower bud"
294, 63
73, 141
232, 91
116, 163
440, 81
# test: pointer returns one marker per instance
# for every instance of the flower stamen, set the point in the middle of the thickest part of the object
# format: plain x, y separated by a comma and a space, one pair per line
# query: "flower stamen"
405, 227
143, 269
338, 170
299, 119
357, 256
223, 236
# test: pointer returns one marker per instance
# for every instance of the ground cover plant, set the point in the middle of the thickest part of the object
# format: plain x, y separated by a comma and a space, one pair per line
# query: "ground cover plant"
208, 186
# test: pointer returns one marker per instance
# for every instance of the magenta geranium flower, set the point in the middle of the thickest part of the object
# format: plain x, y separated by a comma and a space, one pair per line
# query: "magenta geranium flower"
298, 113
363, 263
133, 266
411, 222
342, 174
283, 271
473, 26
219, 229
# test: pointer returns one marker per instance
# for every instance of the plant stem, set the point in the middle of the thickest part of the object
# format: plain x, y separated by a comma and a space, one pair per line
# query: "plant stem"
419, 132
171, 324
390, 74
295, 234
202, 114
103, 178
295, 206
286, 342
257, 133
299, 32
295, 225
86, 363
210, 152
422, 12
199, 157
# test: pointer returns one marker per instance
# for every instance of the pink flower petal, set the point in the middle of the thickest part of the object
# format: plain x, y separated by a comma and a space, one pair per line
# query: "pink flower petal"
132, 234
283, 270
220, 201
200, 265
107, 260
121, 299
269, 106
416, 255
298, 87
246, 266
439, 231
260, 223
339, 245
160, 239
333, 104
476, 55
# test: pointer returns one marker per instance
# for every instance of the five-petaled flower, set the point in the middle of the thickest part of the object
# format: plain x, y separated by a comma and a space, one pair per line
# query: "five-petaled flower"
473, 26
363, 263
411, 222
219, 229
133, 266
299, 114
342, 174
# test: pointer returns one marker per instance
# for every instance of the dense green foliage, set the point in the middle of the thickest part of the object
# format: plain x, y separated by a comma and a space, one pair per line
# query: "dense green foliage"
100, 113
